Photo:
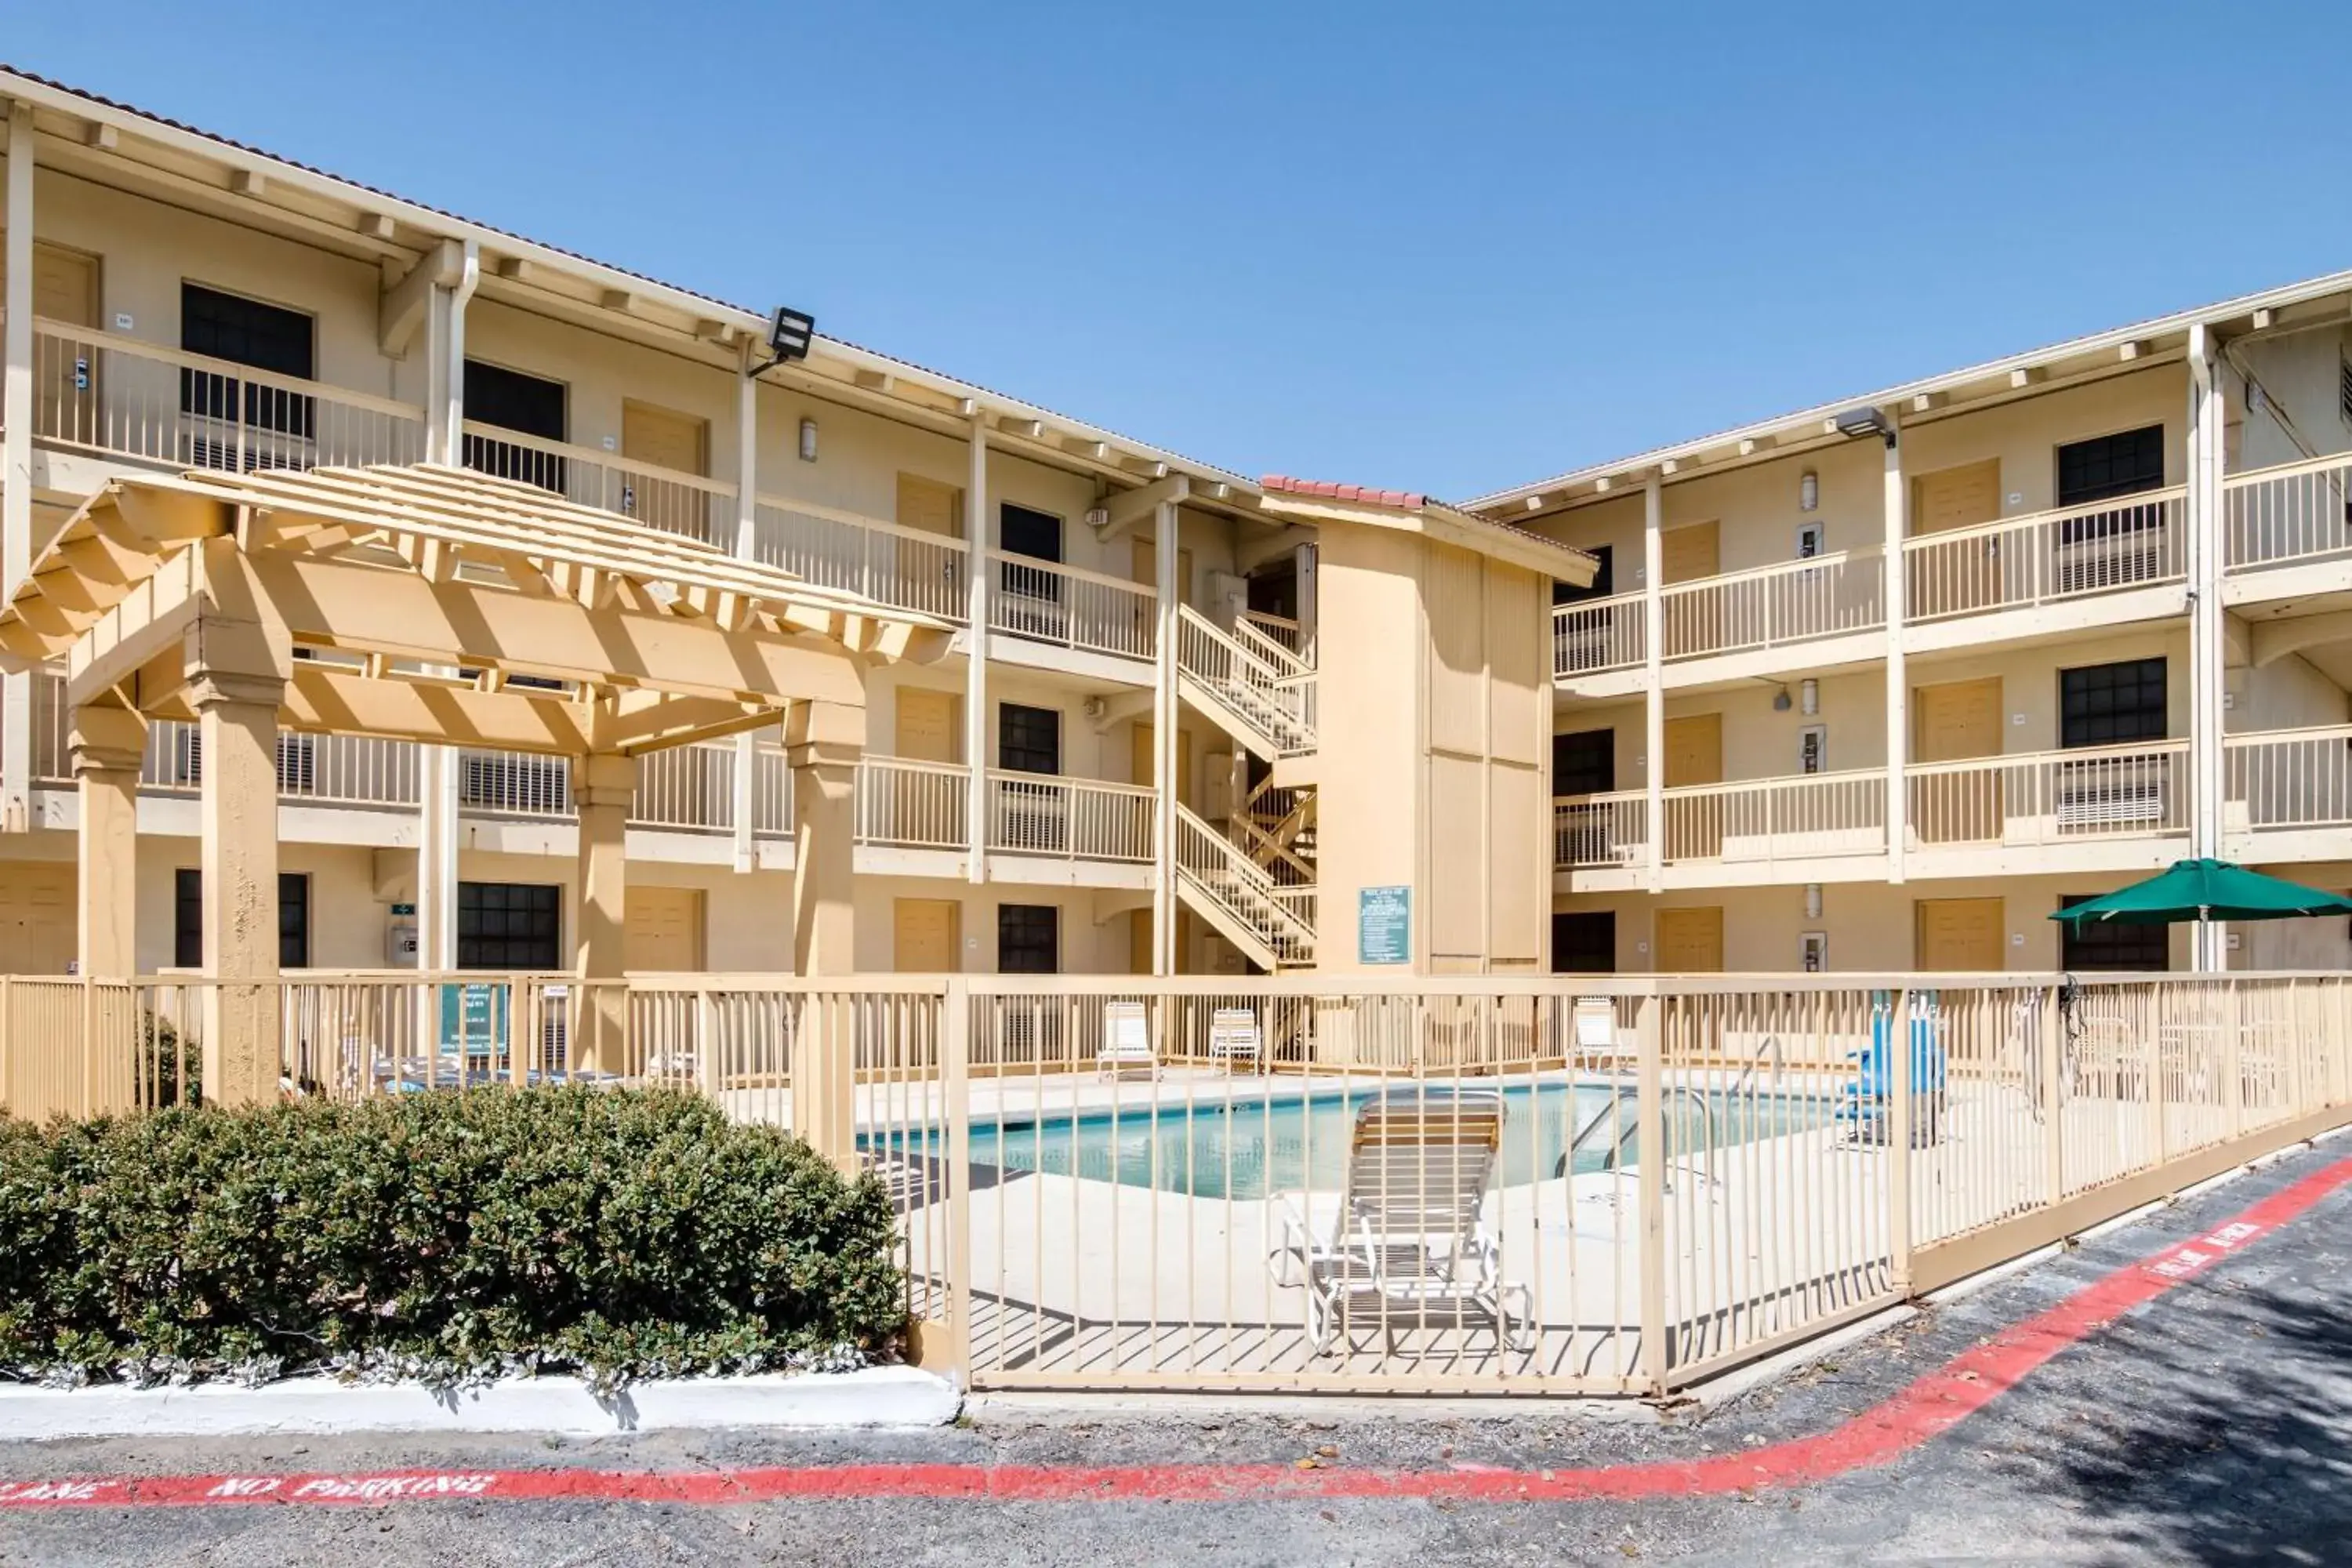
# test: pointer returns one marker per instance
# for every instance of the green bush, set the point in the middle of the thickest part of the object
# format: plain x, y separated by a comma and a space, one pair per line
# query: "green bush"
447, 1237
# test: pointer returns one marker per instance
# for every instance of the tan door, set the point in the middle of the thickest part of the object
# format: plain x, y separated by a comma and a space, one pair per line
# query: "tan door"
664, 929
1694, 621
665, 438
931, 506
36, 918
1141, 763
931, 725
65, 290
1963, 934
1146, 569
1689, 941
1950, 722
1694, 756
926, 936
1965, 574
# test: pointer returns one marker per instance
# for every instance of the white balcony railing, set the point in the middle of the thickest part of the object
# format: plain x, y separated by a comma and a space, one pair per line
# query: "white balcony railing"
771, 793
667, 498
313, 769
1767, 607
1600, 830
1801, 816
2134, 791
908, 805
2131, 541
1079, 819
690, 788
2296, 511
521, 784
1046, 601
2288, 779
900, 566
1595, 635
109, 393
52, 748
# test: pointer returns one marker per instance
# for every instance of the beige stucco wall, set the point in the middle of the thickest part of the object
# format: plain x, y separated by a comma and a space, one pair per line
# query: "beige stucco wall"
2029, 678
2300, 373
2288, 694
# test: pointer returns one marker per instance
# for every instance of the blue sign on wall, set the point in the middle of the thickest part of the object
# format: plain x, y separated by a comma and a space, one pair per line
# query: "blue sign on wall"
473, 1019
1384, 925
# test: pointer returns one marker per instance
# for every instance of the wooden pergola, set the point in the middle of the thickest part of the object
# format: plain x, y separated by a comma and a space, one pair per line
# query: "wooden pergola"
439, 605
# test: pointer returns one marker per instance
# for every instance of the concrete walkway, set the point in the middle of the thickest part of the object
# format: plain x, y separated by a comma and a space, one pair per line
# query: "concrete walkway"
2213, 1425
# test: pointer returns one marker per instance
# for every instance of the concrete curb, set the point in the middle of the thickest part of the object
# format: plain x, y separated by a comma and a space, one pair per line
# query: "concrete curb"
872, 1396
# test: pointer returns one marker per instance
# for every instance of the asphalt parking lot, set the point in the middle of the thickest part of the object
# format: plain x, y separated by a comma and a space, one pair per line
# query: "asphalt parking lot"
2210, 1424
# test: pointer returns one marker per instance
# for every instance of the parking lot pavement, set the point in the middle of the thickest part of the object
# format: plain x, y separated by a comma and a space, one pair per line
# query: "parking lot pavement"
2210, 1424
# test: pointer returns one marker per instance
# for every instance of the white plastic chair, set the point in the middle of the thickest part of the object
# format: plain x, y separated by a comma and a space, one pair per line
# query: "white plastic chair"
1127, 1040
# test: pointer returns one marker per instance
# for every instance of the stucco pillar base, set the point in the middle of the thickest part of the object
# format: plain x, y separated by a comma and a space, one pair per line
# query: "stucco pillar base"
236, 726
108, 744
823, 743
601, 790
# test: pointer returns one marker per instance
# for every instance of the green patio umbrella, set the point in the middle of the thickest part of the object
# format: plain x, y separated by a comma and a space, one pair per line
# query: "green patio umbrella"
2206, 891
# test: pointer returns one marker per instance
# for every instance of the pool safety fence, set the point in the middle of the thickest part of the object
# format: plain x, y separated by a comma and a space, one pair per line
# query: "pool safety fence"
1562, 1185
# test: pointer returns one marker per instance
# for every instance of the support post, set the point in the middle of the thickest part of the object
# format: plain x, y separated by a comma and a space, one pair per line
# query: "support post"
747, 545
1894, 509
975, 681
2207, 652
236, 726
602, 788
823, 741
438, 767
1164, 717
2055, 1089
16, 467
1900, 1121
1649, 1131
1654, 713
108, 743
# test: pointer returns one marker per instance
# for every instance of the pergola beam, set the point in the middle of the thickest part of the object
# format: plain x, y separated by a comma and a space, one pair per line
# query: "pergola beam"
1129, 509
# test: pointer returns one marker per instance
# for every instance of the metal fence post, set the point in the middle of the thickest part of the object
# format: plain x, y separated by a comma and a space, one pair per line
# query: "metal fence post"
1650, 1130
955, 1084
1899, 1124
2053, 1089
706, 1076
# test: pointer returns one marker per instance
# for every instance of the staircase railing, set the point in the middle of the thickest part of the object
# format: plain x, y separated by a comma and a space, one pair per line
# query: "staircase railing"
1253, 634
1217, 870
1274, 703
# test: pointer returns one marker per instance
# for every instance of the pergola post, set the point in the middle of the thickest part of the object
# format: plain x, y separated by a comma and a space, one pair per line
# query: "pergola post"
236, 728
17, 463
602, 788
108, 743
823, 741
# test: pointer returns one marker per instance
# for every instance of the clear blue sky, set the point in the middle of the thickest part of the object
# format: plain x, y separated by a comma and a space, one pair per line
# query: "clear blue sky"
1449, 246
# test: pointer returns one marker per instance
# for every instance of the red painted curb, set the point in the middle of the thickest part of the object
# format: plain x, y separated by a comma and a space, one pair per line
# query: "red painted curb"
1932, 1404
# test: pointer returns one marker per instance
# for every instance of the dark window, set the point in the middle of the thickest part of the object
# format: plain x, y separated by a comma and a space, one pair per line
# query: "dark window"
509, 925
1028, 740
2107, 944
244, 332
1037, 534
525, 403
1033, 595
1604, 581
1273, 589
2111, 465
188, 920
2103, 704
1584, 763
1584, 943
1028, 939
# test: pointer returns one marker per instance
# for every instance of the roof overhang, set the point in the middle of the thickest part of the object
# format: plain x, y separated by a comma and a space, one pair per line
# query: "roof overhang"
1407, 513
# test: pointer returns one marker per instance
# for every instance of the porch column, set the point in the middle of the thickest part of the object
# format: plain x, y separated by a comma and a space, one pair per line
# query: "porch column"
602, 788
1896, 512
823, 741
747, 545
1653, 649
438, 768
236, 726
975, 679
2207, 650
108, 743
1164, 718
16, 467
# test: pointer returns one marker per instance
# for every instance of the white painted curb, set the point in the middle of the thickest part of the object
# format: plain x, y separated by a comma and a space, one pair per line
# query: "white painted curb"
872, 1396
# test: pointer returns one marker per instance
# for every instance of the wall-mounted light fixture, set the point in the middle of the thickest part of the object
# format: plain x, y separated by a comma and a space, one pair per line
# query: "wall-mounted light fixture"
1867, 422
1809, 696
1812, 900
1809, 491
808, 440
1780, 700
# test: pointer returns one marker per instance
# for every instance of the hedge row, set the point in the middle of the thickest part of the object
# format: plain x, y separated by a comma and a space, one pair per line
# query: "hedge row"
449, 1237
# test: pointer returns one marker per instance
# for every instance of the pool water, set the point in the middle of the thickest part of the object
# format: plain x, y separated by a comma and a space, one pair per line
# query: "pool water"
1259, 1144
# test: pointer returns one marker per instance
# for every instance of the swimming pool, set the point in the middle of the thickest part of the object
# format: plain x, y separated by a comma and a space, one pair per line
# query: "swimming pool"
1272, 1141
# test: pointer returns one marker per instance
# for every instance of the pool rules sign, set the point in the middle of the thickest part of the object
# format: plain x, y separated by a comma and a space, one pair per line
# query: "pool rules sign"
1384, 925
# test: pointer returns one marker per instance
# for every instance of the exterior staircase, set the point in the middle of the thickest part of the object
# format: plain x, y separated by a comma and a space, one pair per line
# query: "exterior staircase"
1272, 922
1248, 685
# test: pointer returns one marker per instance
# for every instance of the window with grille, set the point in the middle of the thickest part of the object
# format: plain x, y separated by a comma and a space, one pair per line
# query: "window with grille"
1028, 939
2109, 944
2111, 465
236, 422
188, 918
1584, 763
1028, 740
509, 925
2103, 704
526, 404
1584, 941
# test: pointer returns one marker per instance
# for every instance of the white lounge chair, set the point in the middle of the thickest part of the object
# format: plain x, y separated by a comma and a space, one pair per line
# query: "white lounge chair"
1127, 1040
1235, 1036
1406, 1247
